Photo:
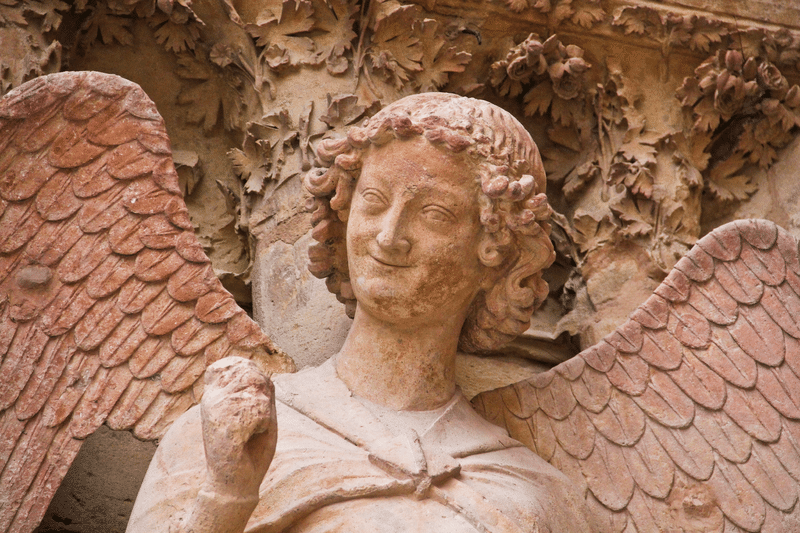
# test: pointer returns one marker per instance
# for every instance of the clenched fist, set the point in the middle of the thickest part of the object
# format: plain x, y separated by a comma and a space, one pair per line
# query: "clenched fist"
239, 426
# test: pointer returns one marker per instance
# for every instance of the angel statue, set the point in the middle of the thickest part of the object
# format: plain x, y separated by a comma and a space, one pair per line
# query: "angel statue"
432, 228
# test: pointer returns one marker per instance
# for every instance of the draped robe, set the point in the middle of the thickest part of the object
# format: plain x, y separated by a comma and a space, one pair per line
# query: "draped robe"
345, 464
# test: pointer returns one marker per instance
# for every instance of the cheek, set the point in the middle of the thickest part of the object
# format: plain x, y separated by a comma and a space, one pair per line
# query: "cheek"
361, 225
357, 234
363, 275
357, 251
455, 273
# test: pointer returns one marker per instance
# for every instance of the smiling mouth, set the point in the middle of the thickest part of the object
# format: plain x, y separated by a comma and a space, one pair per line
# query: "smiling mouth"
387, 262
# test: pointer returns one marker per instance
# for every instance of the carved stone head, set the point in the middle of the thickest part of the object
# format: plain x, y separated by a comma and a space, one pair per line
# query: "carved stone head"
505, 172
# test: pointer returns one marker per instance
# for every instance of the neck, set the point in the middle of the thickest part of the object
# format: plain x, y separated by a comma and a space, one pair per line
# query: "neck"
403, 368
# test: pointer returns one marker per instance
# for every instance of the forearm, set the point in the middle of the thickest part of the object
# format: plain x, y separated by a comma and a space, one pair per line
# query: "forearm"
206, 474
216, 511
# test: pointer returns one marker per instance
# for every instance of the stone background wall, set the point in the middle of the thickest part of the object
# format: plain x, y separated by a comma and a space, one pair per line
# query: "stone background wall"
657, 121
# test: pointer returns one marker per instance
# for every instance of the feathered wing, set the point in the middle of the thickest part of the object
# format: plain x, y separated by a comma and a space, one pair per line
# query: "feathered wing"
109, 308
685, 418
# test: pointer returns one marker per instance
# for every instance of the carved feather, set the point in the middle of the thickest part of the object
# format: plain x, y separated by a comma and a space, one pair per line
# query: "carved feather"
686, 417
109, 309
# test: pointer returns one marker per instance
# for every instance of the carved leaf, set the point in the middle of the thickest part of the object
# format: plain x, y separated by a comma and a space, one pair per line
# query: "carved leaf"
593, 231
538, 99
778, 114
283, 37
46, 10
393, 48
708, 117
11, 14
560, 164
107, 26
638, 178
437, 60
206, 97
275, 136
250, 165
563, 11
174, 36
640, 147
633, 19
705, 34
543, 5
343, 110
574, 163
587, 15
689, 92
691, 156
724, 182
517, 6
566, 112
636, 215
335, 18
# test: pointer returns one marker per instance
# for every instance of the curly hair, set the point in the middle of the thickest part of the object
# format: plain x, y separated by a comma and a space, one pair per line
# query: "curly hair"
513, 208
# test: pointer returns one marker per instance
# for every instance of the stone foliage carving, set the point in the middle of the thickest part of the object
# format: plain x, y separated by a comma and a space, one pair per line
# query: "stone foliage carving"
637, 168
605, 147
745, 108
109, 308
29, 49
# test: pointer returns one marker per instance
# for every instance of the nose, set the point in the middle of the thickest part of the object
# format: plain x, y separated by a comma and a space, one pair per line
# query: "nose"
392, 236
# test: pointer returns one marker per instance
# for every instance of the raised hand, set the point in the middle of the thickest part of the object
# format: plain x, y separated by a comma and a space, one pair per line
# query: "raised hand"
239, 425
240, 430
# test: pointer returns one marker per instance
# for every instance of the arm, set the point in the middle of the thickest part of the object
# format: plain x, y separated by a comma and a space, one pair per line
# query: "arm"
206, 473
239, 437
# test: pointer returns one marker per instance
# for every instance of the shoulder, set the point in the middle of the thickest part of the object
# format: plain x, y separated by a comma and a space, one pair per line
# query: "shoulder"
523, 483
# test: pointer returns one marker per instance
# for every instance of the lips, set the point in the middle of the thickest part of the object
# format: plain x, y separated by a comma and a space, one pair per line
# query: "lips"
385, 261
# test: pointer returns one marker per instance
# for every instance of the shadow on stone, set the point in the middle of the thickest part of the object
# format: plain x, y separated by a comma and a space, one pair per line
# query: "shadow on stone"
98, 492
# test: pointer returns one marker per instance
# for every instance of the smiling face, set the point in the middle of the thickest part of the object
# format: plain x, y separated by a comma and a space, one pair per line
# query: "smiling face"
413, 234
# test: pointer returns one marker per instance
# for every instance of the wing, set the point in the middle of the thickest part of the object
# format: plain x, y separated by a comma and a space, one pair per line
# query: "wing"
686, 417
109, 308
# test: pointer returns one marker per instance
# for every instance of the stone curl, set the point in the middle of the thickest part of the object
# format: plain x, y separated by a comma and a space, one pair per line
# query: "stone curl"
514, 211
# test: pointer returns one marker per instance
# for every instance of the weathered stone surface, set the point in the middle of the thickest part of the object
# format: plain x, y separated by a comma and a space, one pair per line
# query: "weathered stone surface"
419, 248
706, 390
235, 116
76, 314
295, 309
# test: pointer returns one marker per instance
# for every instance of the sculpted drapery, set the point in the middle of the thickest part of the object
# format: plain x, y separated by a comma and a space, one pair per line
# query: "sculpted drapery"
346, 464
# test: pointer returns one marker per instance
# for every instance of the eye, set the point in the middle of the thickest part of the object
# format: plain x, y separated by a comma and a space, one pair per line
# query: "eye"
373, 196
438, 213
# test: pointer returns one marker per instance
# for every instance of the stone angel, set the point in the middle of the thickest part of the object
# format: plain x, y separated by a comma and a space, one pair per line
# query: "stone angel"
433, 230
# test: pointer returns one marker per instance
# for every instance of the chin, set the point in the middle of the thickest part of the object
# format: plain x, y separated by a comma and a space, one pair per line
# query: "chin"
400, 306
383, 299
